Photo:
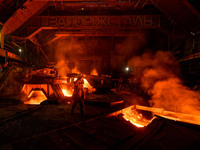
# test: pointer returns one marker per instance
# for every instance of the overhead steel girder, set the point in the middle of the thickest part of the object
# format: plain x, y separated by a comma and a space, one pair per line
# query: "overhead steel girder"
74, 0
97, 1
6, 54
29, 9
35, 41
92, 34
181, 12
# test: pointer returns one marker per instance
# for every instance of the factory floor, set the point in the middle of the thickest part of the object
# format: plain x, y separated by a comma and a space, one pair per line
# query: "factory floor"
52, 127
20, 122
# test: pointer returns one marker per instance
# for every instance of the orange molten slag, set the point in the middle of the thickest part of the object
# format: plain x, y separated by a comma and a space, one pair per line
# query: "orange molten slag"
36, 97
137, 119
67, 93
131, 114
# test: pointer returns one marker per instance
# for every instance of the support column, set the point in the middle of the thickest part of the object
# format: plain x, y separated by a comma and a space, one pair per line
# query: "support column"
25, 52
111, 55
2, 40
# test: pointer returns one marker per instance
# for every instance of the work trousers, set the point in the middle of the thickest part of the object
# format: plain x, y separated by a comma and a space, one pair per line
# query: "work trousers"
80, 101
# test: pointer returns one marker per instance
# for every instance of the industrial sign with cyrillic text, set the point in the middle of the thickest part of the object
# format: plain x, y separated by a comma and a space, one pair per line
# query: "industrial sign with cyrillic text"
95, 22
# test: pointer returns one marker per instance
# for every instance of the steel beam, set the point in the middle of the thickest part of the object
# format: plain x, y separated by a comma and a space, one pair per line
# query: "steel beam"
138, 2
97, 34
16, 44
54, 39
29, 9
39, 30
105, 22
78, 34
95, 1
96, 25
188, 23
75, 1
7, 54
193, 56
35, 41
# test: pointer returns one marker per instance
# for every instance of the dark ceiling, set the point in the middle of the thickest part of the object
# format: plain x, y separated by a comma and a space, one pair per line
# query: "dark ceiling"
183, 12
18, 17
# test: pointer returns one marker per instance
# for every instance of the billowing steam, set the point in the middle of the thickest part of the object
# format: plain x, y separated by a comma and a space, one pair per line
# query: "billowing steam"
126, 48
62, 67
158, 73
65, 50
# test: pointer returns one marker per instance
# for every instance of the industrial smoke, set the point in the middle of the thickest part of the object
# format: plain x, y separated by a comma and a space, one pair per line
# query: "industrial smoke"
159, 75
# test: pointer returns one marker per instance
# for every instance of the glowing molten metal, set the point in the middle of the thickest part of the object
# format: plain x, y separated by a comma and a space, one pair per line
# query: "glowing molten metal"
137, 119
131, 114
36, 97
67, 92
86, 84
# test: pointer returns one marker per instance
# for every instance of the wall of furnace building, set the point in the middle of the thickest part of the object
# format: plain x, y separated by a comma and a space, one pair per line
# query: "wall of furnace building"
109, 55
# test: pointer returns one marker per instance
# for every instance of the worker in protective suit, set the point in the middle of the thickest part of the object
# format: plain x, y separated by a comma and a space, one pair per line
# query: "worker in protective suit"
78, 95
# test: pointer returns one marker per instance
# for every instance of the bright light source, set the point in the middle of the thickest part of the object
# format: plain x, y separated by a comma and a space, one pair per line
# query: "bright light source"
82, 8
20, 50
127, 69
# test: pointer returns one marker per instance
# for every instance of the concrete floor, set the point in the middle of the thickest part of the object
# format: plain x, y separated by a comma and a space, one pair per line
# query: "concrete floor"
17, 122
52, 127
